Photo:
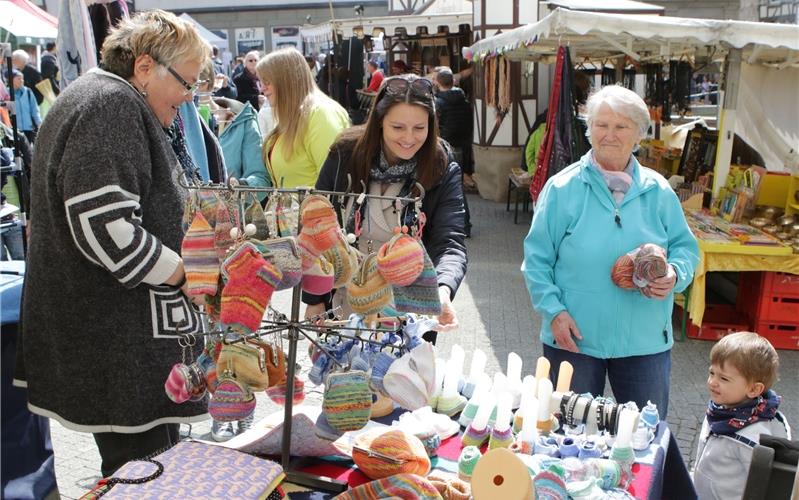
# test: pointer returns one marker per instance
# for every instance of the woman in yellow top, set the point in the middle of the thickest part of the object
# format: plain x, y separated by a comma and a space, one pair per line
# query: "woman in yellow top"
306, 120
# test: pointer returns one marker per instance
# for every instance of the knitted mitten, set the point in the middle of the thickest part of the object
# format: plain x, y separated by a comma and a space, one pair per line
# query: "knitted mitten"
200, 260
251, 281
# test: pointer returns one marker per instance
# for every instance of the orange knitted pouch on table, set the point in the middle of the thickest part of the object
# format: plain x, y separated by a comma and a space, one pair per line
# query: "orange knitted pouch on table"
382, 453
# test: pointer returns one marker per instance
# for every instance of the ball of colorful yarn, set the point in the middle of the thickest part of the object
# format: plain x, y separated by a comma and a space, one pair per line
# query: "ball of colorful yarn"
231, 401
622, 273
400, 260
370, 448
649, 264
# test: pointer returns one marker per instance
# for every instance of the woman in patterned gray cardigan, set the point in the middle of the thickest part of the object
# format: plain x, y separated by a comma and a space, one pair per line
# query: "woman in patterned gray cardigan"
104, 300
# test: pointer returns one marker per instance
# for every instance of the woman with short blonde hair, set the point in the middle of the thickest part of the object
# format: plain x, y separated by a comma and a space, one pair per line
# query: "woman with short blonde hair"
306, 120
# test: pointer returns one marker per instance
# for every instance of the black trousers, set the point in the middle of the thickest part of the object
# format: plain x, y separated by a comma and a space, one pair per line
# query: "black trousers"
116, 449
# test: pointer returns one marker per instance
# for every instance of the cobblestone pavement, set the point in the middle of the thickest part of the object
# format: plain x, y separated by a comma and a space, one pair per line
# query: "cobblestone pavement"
495, 315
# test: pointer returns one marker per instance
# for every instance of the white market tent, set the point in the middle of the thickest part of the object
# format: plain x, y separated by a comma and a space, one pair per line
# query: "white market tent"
22, 23
761, 67
207, 35
319, 33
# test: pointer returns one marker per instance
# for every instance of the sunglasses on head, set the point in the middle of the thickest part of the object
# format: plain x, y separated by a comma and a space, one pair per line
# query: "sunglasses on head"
397, 85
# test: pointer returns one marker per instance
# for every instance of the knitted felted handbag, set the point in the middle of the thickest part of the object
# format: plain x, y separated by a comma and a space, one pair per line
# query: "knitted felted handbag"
319, 224
255, 215
247, 362
421, 296
232, 401
200, 260
251, 282
222, 238
275, 361
401, 260
318, 280
402, 486
347, 400
286, 256
368, 292
344, 259
381, 453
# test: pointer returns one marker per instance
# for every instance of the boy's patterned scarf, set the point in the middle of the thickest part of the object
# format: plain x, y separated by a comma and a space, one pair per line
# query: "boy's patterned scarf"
728, 421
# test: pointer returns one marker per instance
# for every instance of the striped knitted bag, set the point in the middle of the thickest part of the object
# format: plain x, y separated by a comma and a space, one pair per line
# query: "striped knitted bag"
368, 292
344, 260
381, 453
319, 224
232, 401
420, 297
285, 256
401, 260
347, 401
403, 486
199, 258
223, 241
251, 282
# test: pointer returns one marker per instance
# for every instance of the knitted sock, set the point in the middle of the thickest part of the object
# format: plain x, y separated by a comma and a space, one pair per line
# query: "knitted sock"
475, 437
251, 282
222, 239
200, 261
500, 439
467, 460
589, 449
468, 413
450, 406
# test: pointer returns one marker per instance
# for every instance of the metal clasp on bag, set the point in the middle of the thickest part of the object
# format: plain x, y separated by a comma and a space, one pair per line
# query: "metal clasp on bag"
372, 453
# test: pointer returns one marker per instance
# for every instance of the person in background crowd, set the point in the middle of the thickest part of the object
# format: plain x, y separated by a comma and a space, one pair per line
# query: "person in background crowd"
306, 120
238, 67
19, 59
49, 66
400, 67
586, 217
11, 231
222, 85
28, 118
455, 124
742, 408
247, 84
377, 76
398, 146
106, 231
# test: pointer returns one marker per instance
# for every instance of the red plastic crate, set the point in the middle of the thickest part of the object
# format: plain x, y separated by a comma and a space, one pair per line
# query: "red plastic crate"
781, 283
779, 309
718, 321
765, 297
781, 335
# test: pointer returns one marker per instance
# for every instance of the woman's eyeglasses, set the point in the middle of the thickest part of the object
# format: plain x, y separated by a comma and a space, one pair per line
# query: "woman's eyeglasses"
397, 85
190, 88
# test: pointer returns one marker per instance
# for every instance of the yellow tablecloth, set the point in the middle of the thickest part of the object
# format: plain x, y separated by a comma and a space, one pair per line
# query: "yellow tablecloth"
713, 257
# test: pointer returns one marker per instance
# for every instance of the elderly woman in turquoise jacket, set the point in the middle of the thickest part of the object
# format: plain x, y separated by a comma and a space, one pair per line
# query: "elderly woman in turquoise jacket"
587, 215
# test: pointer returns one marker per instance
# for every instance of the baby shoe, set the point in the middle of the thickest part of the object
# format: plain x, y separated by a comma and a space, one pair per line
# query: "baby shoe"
568, 448
475, 437
500, 439
546, 446
589, 449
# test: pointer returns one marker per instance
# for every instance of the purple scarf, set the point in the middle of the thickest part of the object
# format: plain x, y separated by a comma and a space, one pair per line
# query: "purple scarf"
727, 421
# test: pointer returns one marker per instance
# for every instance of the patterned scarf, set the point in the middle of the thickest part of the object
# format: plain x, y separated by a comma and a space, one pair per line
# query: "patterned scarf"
727, 421
403, 171
177, 139
618, 182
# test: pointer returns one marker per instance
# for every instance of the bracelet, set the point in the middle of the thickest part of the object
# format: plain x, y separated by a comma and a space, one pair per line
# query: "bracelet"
563, 400
587, 409
600, 406
614, 416
570, 412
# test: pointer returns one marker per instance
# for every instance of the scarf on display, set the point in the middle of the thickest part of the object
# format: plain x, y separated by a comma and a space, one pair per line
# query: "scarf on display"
404, 171
618, 182
177, 139
727, 421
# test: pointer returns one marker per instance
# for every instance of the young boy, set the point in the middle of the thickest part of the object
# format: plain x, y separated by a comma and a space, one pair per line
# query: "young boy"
28, 118
743, 367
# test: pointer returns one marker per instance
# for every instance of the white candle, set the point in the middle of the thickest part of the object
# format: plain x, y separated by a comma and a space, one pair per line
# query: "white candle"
514, 368
478, 365
627, 420
529, 391
500, 383
504, 411
529, 430
441, 370
542, 368
457, 355
565, 373
544, 395
487, 404
451, 380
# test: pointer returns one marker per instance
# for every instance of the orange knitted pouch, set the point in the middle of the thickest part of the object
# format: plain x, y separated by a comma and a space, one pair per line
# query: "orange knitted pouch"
381, 453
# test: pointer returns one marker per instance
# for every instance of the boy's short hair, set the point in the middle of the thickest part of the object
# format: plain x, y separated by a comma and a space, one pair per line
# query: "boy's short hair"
752, 355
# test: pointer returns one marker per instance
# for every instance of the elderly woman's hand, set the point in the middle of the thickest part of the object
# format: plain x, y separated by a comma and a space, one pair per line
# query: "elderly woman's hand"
660, 288
448, 319
563, 328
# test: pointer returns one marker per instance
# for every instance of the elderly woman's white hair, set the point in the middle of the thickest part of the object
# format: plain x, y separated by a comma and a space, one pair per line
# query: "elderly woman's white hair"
623, 102
21, 55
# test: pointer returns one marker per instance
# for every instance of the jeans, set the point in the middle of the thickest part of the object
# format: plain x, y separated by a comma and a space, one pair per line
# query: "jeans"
12, 240
635, 378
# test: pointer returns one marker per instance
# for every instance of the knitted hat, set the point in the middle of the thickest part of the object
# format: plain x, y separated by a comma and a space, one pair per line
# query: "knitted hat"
277, 393
420, 297
319, 224
368, 292
285, 255
247, 362
381, 453
404, 385
200, 260
401, 260
251, 282
222, 238
402, 486
176, 385
255, 215
232, 401
347, 400
344, 260
423, 362
318, 280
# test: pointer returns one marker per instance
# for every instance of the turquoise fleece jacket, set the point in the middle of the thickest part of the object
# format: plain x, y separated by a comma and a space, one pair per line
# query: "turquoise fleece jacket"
576, 236
241, 146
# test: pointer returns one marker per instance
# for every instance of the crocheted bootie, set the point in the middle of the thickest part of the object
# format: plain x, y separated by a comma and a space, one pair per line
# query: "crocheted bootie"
475, 437
546, 446
650, 415
466, 462
589, 449
451, 405
468, 413
500, 439
568, 448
